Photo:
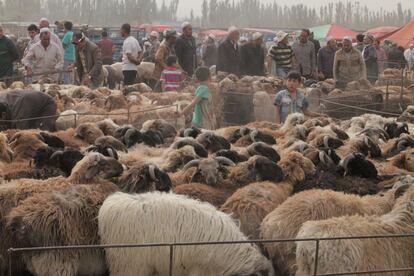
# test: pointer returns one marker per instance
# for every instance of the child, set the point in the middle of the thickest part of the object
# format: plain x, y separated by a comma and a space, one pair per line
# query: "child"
172, 77
292, 100
202, 104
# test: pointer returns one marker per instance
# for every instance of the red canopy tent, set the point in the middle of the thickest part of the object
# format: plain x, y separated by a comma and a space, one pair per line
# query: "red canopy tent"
382, 32
155, 27
405, 36
332, 30
219, 34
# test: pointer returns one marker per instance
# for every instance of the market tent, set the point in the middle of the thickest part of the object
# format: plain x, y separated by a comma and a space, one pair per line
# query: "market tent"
382, 32
219, 34
405, 36
155, 27
336, 31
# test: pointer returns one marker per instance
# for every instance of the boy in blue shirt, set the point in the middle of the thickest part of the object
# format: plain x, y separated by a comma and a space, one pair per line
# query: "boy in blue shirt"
292, 100
203, 116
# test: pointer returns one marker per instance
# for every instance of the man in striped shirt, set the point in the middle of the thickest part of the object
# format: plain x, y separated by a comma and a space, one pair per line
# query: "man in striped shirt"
281, 54
172, 77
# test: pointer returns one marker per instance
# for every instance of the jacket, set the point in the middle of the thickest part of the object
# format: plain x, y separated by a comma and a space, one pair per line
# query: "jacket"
228, 57
349, 69
8, 54
210, 54
93, 63
186, 52
252, 60
160, 57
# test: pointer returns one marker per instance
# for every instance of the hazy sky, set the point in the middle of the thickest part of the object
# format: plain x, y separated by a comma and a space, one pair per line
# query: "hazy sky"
186, 5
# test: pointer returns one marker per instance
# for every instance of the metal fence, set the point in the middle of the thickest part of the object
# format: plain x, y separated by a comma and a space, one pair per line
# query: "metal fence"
15, 251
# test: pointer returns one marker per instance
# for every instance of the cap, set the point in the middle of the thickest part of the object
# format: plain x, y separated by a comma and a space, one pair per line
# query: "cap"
257, 36
44, 19
44, 30
329, 38
170, 33
233, 29
212, 36
185, 25
348, 38
154, 34
370, 37
281, 35
147, 43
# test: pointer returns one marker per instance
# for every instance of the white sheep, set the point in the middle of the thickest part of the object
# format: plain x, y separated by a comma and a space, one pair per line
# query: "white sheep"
169, 218
347, 256
67, 119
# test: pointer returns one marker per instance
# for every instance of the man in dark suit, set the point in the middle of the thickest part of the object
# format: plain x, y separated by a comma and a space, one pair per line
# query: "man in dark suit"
229, 53
186, 50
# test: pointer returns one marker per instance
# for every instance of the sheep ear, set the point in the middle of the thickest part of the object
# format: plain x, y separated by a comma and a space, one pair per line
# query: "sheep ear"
91, 172
401, 189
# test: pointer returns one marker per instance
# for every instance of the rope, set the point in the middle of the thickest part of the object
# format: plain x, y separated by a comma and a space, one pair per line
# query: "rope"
363, 109
35, 75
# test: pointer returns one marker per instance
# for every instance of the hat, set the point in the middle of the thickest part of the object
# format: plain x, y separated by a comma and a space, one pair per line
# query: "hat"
329, 38
147, 43
170, 33
44, 30
281, 35
185, 25
370, 37
44, 19
233, 29
212, 36
348, 38
257, 36
154, 34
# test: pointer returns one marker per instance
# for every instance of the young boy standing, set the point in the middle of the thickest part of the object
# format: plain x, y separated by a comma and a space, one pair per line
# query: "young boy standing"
292, 100
172, 77
202, 104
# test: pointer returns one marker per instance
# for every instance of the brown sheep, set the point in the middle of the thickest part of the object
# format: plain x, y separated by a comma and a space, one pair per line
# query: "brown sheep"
111, 141
404, 161
6, 154
107, 126
25, 143
114, 102
203, 193
68, 136
88, 132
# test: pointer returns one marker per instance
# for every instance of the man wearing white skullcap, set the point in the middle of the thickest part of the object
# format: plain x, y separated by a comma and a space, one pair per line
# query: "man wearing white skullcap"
325, 60
228, 59
252, 56
186, 49
44, 23
348, 64
43, 57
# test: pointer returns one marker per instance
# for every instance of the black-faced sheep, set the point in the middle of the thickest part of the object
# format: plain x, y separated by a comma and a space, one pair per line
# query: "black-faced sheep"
394, 129
262, 149
105, 150
88, 132
347, 256
198, 148
112, 142
166, 129
326, 141
232, 155
212, 142
189, 132
395, 146
285, 221
363, 145
131, 136
204, 193
25, 143
117, 222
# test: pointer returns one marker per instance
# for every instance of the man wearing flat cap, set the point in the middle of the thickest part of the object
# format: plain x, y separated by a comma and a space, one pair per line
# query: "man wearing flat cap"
348, 63
88, 61
252, 56
186, 49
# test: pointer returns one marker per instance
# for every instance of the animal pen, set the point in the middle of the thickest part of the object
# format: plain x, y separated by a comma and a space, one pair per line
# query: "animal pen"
15, 252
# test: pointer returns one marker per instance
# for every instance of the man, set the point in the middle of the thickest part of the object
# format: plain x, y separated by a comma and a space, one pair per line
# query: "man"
165, 50
305, 55
107, 48
409, 57
69, 53
44, 23
44, 58
326, 58
281, 55
32, 31
381, 55
348, 63
154, 45
228, 59
25, 104
88, 61
396, 57
210, 51
252, 56
186, 49
371, 59
8, 55
360, 42
131, 55
315, 42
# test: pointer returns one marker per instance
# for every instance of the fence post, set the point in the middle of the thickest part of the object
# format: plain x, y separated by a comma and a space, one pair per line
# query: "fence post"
10, 262
315, 267
170, 273
387, 95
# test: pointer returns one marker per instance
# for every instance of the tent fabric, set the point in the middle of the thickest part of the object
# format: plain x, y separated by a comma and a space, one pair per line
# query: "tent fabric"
336, 31
155, 27
382, 32
405, 36
217, 33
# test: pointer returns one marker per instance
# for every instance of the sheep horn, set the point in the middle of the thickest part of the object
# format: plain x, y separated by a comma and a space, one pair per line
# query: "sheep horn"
325, 159
187, 132
326, 141
151, 170
303, 147
193, 163
402, 145
344, 163
253, 135
55, 154
225, 161
110, 152
244, 131
302, 131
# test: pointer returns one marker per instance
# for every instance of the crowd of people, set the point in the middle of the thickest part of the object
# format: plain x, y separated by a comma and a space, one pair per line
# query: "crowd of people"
76, 59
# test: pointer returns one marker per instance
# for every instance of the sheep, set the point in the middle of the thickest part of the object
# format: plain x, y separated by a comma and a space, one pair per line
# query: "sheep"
162, 126
212, 142
67, 119
395, 146
255, 136
69, 138
52, 140
326, 141
285, 221
204, 193
292, 120
114, 102
261, 149
130, 136
122, 214
107, 126
105, 150
394, 129
232, 155
325, 159
145, 70
342, 256
198, 148
111, 141
404, 160
189, 132
25, 143
88, 132
361, 144
6, 154
93, 168
377, 135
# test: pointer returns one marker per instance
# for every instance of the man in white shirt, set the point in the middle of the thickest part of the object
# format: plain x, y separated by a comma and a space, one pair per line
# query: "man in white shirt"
44, 23
409, 56
131, 55
43, 57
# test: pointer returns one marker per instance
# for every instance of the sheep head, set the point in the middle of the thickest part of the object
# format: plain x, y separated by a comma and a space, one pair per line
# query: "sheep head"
105, 150
296, 167
146, 178
213, 143
394, 129
355, 164
190, 132
88, 132
263, 150
259, 136
404, 160
366, 146
198, 148
65, 160
166, 129
263, 169
232, 155
209, 171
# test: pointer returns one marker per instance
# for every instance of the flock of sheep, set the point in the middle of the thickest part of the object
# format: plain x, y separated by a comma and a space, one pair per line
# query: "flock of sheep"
140, 179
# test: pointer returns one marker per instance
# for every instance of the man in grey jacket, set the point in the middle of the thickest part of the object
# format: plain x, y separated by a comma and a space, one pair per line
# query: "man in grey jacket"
305, 55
